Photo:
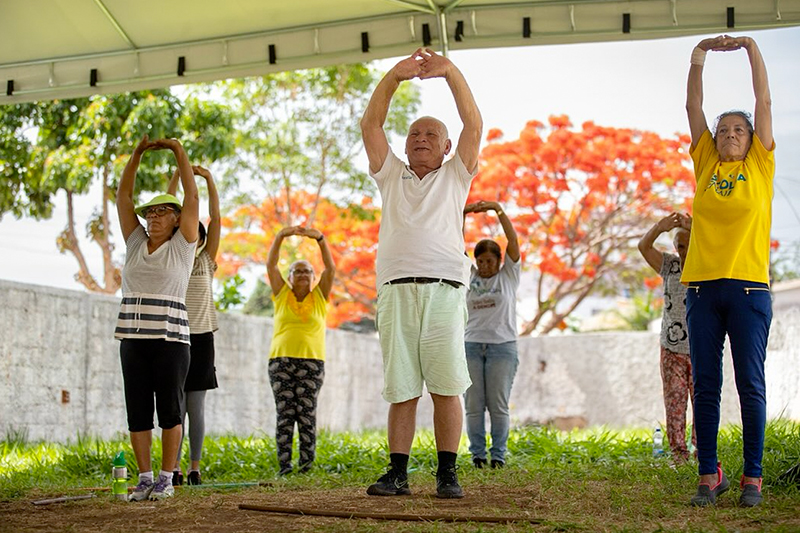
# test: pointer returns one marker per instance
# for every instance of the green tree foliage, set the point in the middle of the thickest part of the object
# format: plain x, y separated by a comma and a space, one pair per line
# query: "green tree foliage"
74, 145
229, 295
786, 262
260, 301
300, 130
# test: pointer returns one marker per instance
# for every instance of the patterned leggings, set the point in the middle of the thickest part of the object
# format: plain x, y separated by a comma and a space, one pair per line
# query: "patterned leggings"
676, 376
295, 385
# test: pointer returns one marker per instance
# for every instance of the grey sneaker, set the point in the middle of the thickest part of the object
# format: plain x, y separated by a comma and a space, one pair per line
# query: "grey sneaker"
751, 493
706, 494
162, 489
142, 490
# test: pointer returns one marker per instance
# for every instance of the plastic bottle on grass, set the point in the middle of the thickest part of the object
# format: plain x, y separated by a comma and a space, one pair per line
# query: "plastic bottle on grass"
119, 477
658, 443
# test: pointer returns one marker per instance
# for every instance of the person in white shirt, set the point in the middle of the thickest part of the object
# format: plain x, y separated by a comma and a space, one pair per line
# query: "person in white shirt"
491, 339
152, 325
421, 268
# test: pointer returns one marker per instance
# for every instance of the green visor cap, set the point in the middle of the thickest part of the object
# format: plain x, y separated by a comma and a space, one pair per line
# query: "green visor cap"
158, 200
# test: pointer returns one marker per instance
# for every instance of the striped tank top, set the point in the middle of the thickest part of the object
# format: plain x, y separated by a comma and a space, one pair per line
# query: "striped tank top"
200, 297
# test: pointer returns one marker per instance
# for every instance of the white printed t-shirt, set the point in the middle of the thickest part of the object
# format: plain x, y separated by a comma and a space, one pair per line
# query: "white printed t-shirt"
421, 221
492, 305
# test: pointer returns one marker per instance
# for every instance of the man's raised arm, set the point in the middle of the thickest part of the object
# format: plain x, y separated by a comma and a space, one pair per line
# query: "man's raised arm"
469, 143
375, 116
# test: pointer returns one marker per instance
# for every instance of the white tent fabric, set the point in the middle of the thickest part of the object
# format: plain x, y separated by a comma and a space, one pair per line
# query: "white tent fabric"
69, 48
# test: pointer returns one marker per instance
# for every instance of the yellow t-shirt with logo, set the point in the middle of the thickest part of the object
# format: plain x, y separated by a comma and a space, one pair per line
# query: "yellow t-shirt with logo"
299, 327
732, 214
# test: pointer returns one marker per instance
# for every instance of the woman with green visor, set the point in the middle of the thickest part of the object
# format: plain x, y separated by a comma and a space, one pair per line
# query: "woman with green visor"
153, 325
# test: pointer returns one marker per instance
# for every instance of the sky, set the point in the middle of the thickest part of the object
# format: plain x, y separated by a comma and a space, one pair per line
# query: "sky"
636, 84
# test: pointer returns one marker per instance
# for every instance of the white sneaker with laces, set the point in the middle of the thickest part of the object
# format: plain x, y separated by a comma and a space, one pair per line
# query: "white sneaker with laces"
163, 488
142, 490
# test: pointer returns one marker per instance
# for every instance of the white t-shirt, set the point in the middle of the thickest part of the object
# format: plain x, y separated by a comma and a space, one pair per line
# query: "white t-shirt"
154, 289
421, 221
492, 305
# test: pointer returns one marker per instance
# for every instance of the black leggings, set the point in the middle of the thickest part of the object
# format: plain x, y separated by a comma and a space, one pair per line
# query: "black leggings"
296, 384
153, 367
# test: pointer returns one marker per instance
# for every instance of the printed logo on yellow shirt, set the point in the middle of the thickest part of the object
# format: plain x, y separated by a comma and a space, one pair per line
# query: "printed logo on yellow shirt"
724, 187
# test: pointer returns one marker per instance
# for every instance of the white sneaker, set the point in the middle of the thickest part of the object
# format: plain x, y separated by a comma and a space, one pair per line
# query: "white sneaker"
142, 490
162, 489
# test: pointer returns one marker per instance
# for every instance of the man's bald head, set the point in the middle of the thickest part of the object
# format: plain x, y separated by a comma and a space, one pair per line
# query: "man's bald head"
427, 144
433, 120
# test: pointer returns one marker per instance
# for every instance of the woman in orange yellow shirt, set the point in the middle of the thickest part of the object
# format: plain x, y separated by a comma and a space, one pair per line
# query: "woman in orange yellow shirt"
727, 267
297, 351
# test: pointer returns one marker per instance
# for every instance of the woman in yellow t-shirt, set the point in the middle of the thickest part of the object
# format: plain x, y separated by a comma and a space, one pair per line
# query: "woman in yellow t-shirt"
297, 352
727, 268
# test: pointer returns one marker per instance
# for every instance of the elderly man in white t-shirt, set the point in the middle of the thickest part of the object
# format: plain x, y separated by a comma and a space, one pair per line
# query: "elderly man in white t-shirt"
421, 268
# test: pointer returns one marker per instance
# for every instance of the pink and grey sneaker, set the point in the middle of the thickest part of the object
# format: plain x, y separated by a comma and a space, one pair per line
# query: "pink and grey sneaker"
751, 493
707, 494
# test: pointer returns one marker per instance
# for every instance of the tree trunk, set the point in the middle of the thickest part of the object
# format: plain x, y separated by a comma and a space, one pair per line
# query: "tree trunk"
68, 242
112, 273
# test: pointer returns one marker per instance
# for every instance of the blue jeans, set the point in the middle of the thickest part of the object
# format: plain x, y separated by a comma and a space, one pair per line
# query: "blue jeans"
492, 368
743, 311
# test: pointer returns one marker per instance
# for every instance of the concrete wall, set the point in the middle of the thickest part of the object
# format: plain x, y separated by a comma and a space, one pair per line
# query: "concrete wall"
55, 341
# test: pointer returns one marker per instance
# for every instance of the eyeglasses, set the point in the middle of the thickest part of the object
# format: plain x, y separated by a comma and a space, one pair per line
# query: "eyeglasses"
302, 271
159, 211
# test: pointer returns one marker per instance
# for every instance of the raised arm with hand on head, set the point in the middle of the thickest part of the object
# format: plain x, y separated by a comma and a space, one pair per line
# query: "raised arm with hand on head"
375, 142
214, 223
128, 220
276, 280
214, 226
327, 276
190, 215
694, 91
435, 66
763, 111
654, 257
481, 206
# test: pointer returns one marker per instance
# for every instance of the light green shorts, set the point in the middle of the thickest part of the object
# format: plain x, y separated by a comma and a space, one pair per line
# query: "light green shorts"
421, 328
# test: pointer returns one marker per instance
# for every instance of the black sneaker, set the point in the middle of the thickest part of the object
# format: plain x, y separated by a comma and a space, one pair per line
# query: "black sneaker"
447, 484
194, 478
497, 463
285, 470
706, 494
392, 483
751, 493
177, 478
479, 462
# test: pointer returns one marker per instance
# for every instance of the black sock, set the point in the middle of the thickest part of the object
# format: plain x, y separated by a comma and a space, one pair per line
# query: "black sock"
447, 460
399, 462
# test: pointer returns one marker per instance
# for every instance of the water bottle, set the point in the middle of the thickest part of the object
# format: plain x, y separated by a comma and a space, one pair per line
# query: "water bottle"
658, 443
119, 477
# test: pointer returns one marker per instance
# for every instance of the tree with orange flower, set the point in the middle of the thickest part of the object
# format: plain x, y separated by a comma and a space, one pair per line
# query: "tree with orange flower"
580, 200
351, 231
299, 138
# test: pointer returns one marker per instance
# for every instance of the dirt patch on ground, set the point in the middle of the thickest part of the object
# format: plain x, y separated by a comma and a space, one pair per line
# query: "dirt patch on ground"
209, 511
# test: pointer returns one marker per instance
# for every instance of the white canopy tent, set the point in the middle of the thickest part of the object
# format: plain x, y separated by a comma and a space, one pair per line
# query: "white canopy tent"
70, 48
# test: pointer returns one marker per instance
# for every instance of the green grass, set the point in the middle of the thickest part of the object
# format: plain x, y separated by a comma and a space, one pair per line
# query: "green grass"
347, 458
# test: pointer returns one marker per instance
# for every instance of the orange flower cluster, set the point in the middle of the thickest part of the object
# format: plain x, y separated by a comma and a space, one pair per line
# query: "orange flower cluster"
351, 231
579, 199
